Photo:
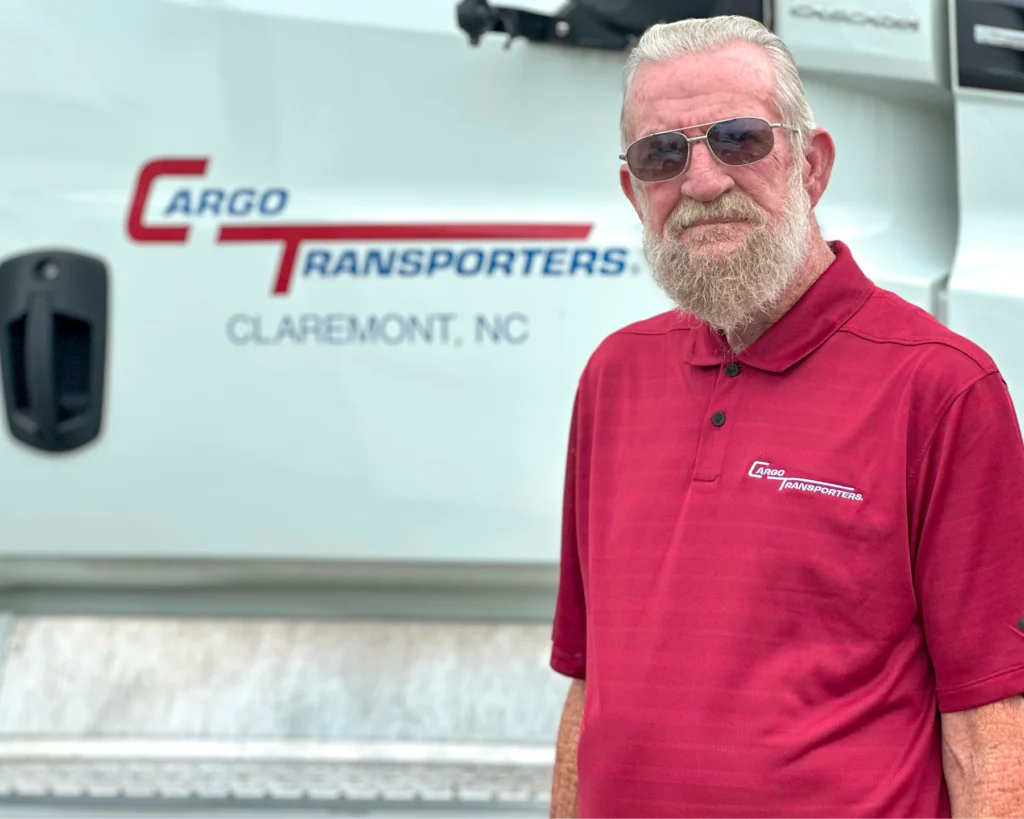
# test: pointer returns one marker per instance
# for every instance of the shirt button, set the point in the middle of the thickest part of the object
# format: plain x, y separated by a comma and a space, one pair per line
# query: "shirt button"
718, 419
732, 369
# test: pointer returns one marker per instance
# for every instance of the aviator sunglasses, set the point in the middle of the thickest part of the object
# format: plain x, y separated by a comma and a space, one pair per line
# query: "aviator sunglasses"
739, 141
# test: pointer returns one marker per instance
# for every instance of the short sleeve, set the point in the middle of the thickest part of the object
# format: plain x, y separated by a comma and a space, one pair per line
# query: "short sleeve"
569, 637
968, 515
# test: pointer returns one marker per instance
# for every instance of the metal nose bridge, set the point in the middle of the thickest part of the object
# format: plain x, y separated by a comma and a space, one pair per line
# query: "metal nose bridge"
690, 143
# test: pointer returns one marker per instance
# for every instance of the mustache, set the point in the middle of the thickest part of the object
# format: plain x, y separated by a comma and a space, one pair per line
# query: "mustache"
729, 206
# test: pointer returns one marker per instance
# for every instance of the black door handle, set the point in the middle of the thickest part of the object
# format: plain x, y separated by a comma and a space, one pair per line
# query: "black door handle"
53, 329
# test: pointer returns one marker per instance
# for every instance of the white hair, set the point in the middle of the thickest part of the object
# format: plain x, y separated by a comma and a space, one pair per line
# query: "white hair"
666, 41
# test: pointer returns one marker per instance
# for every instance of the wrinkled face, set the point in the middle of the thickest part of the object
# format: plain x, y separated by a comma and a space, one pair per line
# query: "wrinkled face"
723, 242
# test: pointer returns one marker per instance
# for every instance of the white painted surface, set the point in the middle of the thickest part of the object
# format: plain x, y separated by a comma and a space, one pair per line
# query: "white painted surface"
852, 38
986, 293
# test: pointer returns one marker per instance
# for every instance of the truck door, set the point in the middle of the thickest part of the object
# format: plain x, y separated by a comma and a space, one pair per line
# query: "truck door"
354, 269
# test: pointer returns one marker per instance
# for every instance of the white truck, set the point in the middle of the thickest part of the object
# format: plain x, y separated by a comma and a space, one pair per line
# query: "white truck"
294, 295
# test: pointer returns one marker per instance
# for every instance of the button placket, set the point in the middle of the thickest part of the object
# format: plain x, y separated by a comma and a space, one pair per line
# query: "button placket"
715, 431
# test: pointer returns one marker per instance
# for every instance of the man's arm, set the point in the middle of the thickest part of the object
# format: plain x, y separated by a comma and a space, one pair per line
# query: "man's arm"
564, 781
983, 759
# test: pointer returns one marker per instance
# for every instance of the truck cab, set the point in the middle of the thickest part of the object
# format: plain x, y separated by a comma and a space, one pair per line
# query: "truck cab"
294, 297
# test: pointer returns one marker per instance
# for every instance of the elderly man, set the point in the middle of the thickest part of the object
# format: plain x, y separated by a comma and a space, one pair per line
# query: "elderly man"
792, 577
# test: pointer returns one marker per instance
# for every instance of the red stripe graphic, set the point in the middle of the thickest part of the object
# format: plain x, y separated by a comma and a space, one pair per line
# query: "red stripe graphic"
291, 236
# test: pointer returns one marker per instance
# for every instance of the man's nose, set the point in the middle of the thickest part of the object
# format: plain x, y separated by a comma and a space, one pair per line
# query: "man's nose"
706, 178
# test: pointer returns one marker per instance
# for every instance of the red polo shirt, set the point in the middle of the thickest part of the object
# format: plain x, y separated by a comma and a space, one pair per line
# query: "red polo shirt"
777, 570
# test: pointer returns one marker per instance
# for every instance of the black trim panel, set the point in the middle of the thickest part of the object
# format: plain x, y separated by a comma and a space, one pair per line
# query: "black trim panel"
604, 24
990, 44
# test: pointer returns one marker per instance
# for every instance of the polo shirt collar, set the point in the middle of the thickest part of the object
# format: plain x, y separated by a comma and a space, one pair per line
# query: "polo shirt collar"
826, 306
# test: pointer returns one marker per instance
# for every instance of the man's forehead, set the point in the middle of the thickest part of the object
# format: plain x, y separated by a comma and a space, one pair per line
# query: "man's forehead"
737, 80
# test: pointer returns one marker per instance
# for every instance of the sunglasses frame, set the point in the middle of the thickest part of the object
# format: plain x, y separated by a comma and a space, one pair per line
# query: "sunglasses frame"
707, 126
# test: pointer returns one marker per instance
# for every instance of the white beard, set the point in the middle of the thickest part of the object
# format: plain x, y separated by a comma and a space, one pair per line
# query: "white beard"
731, 292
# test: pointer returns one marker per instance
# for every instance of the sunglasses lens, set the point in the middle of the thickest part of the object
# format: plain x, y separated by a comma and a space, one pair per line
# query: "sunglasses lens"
741, 141
657, 157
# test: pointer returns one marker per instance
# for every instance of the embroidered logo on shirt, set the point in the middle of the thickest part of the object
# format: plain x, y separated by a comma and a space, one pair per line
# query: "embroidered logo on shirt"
763, 470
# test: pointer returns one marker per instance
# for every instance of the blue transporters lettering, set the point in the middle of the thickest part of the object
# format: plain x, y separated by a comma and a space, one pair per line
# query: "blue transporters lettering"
465, 262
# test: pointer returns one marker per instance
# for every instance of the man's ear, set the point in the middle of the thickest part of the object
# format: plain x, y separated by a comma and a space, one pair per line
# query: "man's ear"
626, 181
818, 159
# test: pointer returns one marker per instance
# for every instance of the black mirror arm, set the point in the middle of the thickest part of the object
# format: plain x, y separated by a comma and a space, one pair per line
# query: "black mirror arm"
576, 26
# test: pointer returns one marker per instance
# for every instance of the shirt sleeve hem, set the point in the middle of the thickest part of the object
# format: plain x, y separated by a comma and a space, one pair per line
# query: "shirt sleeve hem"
995, 687
571, 665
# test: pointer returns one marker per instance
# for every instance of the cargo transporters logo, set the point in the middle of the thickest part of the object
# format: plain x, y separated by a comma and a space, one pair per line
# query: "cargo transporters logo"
762, 470
396, 249
314, 251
